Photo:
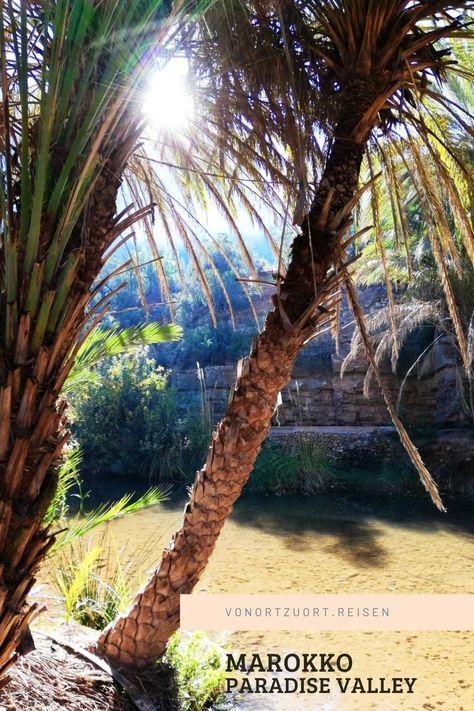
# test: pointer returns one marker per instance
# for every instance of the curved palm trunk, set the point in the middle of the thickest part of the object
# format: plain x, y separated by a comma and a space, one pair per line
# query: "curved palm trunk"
140, 636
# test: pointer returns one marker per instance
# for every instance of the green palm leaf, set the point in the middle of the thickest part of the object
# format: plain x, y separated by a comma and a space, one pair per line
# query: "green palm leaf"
104, 343
80, 525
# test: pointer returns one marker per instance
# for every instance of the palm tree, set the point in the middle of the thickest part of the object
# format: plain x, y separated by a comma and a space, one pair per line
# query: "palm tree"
71, 74
446, 305
358, 71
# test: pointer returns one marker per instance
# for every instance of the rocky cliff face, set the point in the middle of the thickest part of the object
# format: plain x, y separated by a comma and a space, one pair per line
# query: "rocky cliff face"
318, 396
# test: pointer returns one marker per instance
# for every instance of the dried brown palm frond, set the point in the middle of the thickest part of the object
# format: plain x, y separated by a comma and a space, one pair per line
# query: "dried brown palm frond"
410, 448
442, 243
181, 206
411, 315
377, 222
408, 317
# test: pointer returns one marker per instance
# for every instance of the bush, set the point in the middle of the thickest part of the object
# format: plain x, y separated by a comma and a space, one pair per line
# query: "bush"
304, 468
126, 420
195, 433
199, 666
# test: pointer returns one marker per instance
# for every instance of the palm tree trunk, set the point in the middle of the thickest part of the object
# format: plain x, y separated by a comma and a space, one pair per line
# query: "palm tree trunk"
139, 637
44, 302
33, 432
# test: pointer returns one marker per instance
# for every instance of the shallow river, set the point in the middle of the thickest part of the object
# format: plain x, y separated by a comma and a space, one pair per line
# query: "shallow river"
336, 544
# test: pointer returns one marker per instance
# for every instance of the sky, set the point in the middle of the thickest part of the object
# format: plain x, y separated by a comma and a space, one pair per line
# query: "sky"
168, 104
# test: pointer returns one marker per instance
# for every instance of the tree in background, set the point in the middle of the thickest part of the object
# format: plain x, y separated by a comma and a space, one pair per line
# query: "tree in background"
203, 342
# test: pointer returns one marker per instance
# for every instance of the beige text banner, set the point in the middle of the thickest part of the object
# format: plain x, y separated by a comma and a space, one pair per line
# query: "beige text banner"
366, 612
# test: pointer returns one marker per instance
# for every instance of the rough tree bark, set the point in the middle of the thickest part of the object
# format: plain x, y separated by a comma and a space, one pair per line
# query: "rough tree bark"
33, 430
139, 637
45, 318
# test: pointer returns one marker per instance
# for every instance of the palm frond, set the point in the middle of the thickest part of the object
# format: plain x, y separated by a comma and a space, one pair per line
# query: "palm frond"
425, 477
104, 343
81, 524
68, 478
408, 317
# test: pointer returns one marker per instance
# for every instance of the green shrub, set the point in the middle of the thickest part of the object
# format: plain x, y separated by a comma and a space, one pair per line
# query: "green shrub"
199, 666
304, 468
126, 419
195, 433
274, 470
314, 469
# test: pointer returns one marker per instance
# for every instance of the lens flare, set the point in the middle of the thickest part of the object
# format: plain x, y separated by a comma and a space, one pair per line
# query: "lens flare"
168, 102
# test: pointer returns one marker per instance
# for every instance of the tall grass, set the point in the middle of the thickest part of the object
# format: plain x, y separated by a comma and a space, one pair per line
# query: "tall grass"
95, 579
305, 468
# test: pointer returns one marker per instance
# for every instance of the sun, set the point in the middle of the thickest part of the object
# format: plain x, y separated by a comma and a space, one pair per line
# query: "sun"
168, 102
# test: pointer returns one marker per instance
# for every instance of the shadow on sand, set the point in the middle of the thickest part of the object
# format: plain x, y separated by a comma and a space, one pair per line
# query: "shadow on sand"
350, 520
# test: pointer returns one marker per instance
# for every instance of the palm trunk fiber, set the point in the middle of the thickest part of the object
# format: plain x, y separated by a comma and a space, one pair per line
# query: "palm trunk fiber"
36, 353
33, 432
139, 637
